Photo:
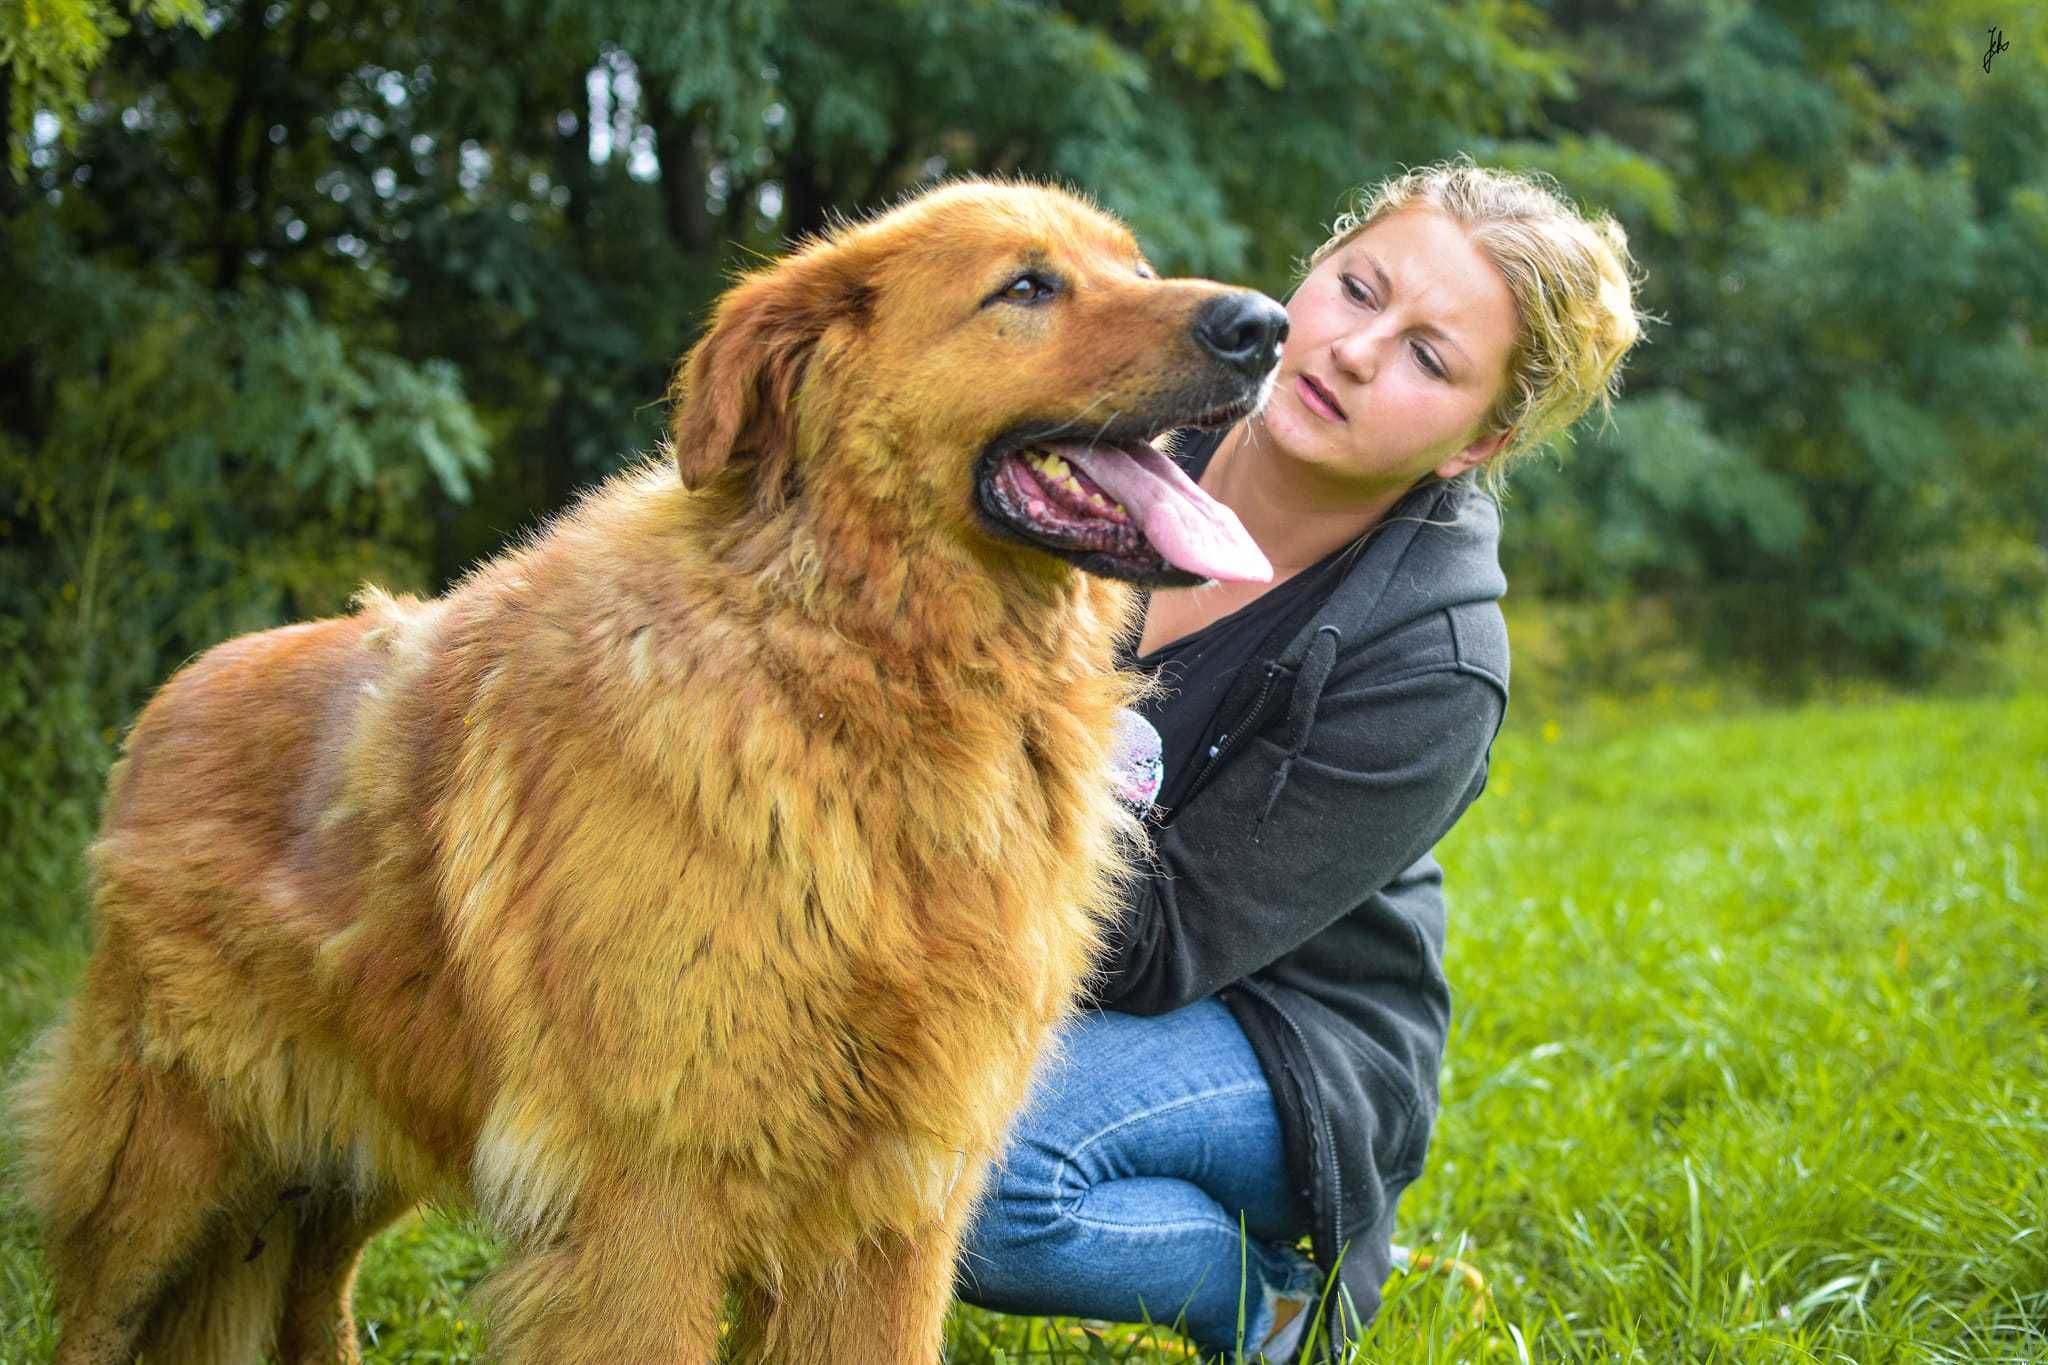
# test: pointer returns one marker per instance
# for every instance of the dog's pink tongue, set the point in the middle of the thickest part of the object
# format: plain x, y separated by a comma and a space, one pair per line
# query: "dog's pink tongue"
1190, 529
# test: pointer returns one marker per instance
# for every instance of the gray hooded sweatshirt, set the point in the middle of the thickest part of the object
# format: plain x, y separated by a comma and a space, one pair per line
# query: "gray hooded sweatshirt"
1293, 877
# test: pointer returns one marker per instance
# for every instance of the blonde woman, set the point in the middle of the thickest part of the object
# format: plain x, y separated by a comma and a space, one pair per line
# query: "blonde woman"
1273, 1018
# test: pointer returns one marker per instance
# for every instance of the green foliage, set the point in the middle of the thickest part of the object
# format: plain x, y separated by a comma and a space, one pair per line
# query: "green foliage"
1604, 173
202, 465
1842, 217
49, 47
1834, 462
1640, 506
1910, 495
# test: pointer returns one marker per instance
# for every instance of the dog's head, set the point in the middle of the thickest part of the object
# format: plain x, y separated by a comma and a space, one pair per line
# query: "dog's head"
988, 360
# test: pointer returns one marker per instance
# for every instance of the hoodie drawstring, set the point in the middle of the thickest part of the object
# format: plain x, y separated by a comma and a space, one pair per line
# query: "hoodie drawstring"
1301, 709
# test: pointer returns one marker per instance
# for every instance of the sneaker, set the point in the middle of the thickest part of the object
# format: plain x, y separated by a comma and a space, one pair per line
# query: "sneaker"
1290, 1310
1290, 1320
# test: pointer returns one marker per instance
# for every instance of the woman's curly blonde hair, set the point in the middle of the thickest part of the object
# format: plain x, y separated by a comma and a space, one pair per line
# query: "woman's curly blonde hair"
1571, 277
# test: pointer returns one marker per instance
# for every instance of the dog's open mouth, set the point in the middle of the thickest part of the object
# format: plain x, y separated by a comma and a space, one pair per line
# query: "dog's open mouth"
1121, 508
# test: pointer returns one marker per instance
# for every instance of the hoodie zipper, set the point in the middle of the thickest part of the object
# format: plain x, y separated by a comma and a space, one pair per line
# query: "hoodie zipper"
1322, 1119
1228, 739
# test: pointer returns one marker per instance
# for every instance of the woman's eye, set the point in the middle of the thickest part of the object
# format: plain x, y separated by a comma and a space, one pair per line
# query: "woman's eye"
1427, 363
1355, 289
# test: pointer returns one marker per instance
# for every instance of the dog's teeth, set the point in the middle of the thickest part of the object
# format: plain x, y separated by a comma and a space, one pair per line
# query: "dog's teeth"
1048, 464
1056, 471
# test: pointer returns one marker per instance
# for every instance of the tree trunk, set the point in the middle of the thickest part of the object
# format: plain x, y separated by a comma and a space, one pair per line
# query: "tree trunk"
12, 196
805, 197
683, 144
231, 253
557, 466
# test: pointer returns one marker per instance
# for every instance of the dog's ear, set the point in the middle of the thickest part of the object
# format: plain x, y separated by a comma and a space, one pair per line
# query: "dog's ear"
734, 394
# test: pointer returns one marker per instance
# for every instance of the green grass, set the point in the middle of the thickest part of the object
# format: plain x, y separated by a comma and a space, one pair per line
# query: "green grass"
1750, 1060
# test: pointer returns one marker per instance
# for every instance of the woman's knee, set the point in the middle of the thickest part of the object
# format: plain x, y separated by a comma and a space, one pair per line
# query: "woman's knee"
1011, 1246
1019, 1203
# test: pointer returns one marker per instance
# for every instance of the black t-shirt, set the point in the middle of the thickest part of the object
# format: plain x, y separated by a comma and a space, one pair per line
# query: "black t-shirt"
1199, 668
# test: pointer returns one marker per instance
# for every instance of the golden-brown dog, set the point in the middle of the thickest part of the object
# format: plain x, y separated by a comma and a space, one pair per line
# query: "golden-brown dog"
693, 888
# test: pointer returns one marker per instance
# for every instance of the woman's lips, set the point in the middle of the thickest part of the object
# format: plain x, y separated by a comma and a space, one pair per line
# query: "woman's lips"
1318, 401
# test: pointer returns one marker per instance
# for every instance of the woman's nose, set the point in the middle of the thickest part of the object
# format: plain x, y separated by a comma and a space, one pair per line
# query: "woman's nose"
1356, 351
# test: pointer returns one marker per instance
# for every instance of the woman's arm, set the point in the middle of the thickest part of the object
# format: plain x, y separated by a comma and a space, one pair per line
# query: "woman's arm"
1389, 766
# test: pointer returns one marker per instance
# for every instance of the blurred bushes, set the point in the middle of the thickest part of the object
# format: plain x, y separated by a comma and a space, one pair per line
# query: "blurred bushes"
191, 465
1857, 482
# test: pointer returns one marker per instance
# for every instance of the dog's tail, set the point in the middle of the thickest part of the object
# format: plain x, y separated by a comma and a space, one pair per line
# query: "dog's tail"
127, 1172
63, 1154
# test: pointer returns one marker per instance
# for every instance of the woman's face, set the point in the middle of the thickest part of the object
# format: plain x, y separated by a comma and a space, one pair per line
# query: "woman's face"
1397, 346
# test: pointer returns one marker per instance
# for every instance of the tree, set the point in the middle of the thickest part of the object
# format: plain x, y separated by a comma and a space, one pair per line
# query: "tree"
1834, 460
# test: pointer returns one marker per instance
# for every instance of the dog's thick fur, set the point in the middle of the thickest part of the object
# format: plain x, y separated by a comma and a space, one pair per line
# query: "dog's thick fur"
693, 889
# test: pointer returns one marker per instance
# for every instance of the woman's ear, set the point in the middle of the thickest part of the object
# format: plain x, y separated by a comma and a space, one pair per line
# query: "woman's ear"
1474, 455
734, 394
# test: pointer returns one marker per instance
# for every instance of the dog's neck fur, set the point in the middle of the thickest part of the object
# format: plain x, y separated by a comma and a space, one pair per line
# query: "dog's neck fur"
907, 584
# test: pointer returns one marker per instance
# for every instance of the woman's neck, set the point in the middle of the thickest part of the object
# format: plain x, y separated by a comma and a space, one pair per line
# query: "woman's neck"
1295, 511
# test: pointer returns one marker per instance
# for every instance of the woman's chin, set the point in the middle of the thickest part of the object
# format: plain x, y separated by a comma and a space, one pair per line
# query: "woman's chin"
1300, 435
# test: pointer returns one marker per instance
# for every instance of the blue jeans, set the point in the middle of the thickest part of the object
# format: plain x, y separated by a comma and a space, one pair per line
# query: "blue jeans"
1119, 1193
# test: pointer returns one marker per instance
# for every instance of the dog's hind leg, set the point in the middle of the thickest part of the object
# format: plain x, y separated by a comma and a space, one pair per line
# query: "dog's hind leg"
268, 1274
319, 1324
224, 1309
128, 1170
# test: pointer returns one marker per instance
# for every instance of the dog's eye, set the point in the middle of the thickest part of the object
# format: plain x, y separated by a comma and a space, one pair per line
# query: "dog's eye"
1027, 288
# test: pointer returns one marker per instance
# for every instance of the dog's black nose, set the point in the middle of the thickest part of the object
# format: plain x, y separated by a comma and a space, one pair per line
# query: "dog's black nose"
1243, 330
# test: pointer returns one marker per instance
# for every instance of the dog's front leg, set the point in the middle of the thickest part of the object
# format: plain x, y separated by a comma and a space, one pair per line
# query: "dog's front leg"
884, 1305
633, 1277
